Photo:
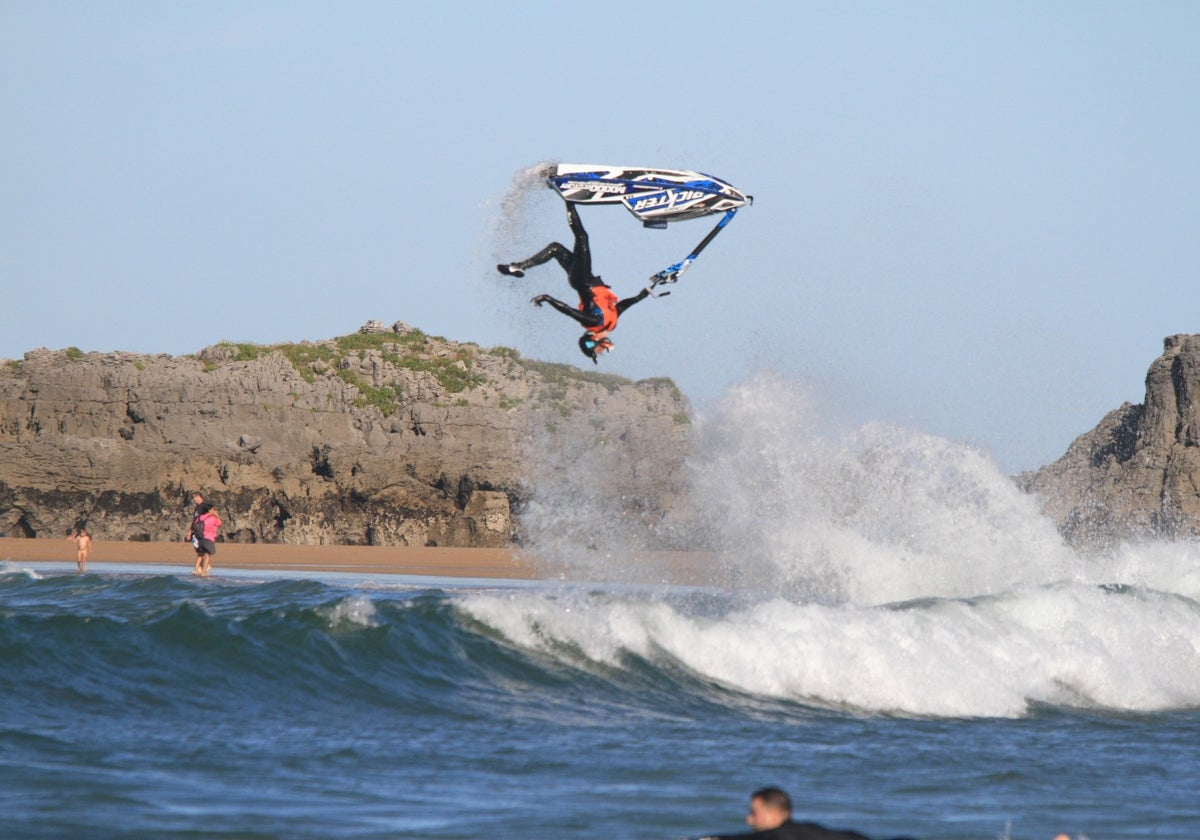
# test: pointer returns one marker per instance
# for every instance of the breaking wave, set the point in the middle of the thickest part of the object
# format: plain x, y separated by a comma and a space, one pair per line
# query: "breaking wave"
885, 572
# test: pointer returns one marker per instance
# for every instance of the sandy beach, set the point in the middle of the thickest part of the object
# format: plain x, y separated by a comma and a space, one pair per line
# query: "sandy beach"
649, 567
439, 562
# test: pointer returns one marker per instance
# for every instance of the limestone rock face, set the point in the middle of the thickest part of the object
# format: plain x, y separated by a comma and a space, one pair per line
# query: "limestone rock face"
384, 437
1137, 474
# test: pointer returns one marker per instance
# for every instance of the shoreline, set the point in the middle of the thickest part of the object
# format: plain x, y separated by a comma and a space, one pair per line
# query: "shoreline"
688, 568
499, 563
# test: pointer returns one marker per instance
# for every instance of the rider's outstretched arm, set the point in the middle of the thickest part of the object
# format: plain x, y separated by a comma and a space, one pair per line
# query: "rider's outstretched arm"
587, 319
630, 301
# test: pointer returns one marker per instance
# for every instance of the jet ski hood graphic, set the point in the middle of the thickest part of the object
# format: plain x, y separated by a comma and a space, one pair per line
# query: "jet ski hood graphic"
654, 196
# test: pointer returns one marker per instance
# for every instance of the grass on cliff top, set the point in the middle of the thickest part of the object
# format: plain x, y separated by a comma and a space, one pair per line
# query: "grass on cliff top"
407, 351
402, 350
556, 373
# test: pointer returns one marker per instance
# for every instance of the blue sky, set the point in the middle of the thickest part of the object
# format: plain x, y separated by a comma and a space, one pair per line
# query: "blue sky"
973, 219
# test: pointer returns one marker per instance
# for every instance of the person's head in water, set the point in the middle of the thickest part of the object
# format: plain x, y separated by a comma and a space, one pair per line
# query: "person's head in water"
769, 808
592, 347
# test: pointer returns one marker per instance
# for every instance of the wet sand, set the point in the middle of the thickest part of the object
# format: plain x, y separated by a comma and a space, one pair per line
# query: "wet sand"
435, 562
650, 567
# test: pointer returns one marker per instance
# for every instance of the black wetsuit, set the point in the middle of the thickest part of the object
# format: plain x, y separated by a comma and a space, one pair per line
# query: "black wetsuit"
791, 830
577, 262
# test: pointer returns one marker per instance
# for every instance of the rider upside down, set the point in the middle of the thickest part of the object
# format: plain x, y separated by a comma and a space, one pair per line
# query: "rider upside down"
599, 308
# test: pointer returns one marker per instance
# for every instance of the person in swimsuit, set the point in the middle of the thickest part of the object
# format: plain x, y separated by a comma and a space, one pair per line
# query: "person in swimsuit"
83, 548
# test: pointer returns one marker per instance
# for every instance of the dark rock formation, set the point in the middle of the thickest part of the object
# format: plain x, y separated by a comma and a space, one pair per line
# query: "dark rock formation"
1137, 474
384, 437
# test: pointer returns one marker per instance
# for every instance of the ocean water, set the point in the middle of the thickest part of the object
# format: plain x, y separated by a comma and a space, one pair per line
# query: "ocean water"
887, 629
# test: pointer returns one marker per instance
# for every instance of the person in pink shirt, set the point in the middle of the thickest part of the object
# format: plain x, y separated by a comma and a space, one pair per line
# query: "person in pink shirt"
204, 530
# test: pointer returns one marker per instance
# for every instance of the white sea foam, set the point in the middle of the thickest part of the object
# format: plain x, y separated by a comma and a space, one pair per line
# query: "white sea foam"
8, 567
888, 571
882, 515
350, 613
1066, 644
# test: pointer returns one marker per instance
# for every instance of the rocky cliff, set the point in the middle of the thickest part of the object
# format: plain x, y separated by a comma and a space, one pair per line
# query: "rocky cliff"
383, 437
1137, 474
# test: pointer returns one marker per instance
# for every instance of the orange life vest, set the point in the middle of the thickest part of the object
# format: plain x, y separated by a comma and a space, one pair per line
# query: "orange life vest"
606, 301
